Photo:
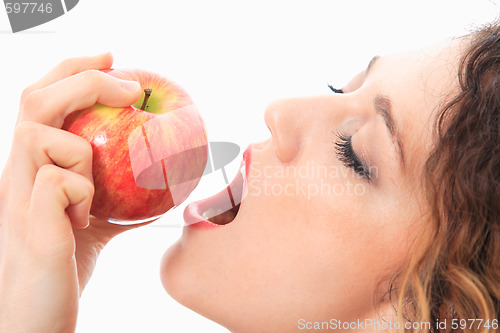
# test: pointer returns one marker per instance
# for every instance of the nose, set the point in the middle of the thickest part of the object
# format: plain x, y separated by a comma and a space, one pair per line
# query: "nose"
292, 122
281, 119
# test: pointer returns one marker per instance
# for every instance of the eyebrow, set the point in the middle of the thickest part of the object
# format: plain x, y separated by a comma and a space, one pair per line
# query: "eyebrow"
383, 107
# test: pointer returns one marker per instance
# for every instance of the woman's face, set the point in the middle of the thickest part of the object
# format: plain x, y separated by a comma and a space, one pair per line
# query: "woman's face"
320, 225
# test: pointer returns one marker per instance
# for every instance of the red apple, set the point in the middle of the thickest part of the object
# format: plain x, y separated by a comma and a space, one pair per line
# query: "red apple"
147, 157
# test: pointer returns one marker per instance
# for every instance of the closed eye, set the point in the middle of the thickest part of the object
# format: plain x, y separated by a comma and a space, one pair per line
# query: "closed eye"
346, 154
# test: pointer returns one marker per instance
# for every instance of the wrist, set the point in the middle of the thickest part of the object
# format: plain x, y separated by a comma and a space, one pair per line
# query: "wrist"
36, 300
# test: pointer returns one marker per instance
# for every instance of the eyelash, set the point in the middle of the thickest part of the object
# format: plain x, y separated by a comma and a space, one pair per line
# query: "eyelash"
346, 155
335, 90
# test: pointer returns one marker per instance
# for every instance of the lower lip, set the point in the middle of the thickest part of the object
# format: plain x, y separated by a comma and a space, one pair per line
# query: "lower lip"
193, 211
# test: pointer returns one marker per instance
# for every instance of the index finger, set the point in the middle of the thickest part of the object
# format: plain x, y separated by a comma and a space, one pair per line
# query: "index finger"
52, 104
71, 67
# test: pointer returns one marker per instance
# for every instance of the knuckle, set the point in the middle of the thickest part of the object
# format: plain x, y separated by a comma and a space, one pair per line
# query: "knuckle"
69, 65
66, 63
74, 66
82, 145
27, 133
91, 80
49, 175
32, 102
83, 152
28, 90
84, 185
89, 187
86, 150
93, 75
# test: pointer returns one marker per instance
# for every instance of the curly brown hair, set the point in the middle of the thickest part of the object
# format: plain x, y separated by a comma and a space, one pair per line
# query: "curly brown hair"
455, 276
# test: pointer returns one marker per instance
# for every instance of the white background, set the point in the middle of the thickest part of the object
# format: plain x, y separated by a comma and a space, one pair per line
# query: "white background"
233, 57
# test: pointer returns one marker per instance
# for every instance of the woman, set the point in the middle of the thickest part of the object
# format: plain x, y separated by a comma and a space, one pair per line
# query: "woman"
376, 206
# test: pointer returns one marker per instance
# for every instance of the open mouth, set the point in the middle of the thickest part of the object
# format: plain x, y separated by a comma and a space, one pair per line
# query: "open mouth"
223, 207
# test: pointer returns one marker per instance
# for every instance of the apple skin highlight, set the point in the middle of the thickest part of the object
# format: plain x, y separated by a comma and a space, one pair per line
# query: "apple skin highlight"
144, 161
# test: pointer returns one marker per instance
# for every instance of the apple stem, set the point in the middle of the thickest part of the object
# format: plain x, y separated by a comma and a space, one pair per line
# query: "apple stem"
147, 93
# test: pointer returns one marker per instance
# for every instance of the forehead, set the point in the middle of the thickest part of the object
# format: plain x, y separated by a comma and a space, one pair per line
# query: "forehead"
419, 83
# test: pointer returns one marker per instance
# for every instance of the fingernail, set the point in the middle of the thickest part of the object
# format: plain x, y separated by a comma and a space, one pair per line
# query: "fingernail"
130, 86
86, 225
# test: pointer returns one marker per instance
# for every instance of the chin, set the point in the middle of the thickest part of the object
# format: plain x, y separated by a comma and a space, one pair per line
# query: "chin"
190, 287
187, 270
170, 269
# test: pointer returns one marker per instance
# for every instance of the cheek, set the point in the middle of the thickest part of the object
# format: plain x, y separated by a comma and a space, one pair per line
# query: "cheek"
357, 231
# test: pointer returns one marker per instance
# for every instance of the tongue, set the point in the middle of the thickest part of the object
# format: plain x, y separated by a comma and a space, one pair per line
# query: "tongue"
223, 218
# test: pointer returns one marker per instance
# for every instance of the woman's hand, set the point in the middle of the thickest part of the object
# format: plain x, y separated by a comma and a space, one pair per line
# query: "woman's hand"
48, 242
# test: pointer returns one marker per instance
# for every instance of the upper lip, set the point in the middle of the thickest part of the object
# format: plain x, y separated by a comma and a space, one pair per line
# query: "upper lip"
229, 199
